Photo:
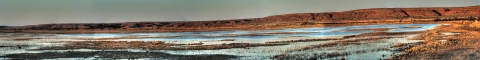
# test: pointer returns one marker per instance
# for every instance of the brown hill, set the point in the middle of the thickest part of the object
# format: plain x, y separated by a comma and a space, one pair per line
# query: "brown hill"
361, 15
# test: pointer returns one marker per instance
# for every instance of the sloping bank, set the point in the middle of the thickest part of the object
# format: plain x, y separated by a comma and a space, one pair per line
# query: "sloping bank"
457, 40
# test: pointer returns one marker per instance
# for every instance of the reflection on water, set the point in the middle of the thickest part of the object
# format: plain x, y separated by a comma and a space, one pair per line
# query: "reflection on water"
247, 37
220, 37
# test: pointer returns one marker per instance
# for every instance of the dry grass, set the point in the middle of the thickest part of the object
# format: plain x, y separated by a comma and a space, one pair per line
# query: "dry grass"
475, 24
451, 47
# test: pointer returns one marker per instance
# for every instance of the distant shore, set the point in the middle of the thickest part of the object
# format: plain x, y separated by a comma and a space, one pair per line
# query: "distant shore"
299, 20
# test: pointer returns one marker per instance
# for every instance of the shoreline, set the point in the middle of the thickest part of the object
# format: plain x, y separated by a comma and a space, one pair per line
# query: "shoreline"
205, 30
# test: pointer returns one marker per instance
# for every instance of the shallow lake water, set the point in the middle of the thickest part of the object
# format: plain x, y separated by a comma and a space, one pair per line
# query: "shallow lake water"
238, 36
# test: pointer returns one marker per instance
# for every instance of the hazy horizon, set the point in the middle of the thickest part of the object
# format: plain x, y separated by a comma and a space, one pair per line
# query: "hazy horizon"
32, 12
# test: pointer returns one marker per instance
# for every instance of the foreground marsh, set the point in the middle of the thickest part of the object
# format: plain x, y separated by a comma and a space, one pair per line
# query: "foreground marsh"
289, 43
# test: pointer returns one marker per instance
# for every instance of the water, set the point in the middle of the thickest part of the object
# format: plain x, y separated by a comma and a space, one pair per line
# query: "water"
239, 36
323, 32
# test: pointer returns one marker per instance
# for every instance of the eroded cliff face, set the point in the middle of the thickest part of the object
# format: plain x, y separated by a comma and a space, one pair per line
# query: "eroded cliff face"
377, 13
352, 15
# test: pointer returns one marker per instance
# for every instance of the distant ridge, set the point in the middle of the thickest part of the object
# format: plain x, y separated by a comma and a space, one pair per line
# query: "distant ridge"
360, 15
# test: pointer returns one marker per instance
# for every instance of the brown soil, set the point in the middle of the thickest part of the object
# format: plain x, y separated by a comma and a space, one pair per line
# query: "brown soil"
299, 20
437, 45
115, 55
152, 45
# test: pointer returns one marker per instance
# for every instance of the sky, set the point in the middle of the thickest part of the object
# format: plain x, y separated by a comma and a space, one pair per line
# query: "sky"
32, 12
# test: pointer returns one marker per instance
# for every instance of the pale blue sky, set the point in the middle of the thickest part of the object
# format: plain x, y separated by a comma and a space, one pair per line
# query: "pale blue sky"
28, 12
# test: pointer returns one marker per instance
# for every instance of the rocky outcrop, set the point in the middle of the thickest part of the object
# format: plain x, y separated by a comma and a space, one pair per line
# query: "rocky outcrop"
352, 15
